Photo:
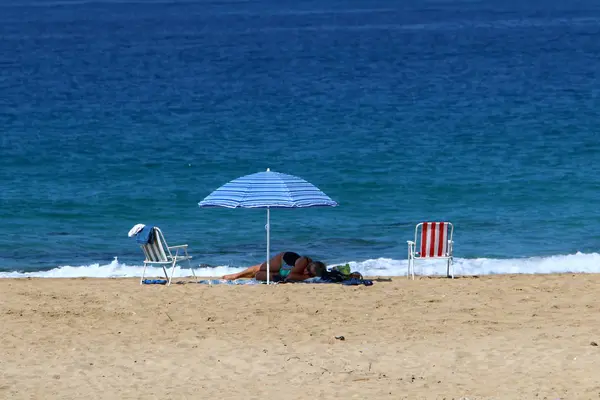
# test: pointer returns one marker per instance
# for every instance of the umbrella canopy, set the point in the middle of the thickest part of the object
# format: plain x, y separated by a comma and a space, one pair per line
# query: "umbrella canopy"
268, 190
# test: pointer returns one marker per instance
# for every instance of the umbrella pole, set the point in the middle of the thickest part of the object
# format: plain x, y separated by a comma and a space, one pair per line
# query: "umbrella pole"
268, 226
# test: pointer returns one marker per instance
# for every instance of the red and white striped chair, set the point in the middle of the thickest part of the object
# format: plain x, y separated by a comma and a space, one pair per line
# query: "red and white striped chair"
434, 242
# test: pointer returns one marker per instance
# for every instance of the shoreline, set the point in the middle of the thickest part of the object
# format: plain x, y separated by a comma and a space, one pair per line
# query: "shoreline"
372, 277
557, 264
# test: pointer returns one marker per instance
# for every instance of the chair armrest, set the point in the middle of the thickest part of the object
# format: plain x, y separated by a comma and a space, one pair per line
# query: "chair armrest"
410, 242
178, 247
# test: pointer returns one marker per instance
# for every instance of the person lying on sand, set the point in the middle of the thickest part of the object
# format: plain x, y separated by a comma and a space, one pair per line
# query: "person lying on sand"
288, 266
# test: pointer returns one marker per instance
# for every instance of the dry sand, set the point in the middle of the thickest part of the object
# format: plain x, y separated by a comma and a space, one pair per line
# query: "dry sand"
493, 337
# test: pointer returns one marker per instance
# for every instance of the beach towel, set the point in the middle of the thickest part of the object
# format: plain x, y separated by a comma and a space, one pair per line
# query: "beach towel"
353, 281
226, 282
146, 235
154, 281
357, 281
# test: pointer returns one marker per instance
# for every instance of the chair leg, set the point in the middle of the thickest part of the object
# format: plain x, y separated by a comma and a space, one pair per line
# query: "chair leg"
450, 265
192, 268
172, 271
143, 274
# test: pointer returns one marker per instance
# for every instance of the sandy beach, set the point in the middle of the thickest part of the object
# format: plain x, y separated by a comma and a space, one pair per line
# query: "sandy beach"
491, 337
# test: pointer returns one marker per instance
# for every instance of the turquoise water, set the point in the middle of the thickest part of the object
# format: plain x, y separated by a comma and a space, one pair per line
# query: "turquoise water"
483, 113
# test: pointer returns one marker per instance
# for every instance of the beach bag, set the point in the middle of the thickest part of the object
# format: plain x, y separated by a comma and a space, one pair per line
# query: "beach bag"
339, 273
344, 269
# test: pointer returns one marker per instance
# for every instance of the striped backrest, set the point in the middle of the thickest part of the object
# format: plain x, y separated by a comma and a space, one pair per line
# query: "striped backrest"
434, 239
154, 250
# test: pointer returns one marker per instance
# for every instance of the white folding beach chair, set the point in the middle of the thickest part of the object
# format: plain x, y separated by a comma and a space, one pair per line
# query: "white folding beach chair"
433, 240
158, 252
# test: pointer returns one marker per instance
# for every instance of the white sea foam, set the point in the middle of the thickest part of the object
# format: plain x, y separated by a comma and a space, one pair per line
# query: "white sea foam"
578, 262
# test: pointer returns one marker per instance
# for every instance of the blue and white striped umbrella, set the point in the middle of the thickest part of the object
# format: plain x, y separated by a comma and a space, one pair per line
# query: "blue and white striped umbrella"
268, 190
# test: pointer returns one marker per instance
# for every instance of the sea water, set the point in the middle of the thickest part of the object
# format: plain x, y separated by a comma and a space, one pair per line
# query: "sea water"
482, 113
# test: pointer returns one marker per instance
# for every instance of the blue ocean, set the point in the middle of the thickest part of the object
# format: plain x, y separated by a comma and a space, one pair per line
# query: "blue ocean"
484, 113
